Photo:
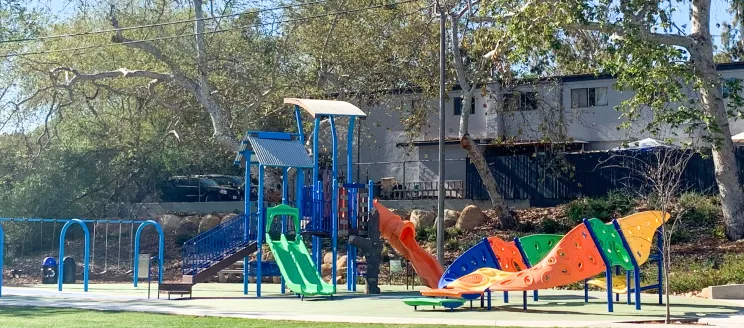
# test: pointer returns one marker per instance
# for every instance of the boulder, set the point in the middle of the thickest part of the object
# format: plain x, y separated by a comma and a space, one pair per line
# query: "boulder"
188, 226
326, 269
341, 262
209, 222
470, 218
421, 218
267, 256
328, 258
405, 215
169, 223
450, 218
228, 217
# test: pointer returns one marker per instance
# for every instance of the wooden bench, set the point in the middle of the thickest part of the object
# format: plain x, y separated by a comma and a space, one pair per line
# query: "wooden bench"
178, 288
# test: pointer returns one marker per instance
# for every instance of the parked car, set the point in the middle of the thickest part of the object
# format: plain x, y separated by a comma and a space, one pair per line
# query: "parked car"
196, 189
232, 181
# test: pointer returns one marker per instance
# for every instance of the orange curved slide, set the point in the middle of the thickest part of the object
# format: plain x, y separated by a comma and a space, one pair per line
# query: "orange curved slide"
402, 236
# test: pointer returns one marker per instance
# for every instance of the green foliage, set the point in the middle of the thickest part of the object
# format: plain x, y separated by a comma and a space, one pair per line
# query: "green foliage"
426, 234
694, 274
552, 226
615, 204
698, 210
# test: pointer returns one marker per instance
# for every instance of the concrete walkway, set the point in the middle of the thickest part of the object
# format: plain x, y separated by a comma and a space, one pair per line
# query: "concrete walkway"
556, 308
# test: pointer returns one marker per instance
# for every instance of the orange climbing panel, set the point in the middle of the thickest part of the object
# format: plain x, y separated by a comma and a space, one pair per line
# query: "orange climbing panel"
507, 254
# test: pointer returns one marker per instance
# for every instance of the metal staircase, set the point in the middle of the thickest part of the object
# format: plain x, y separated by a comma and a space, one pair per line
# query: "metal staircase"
217, 248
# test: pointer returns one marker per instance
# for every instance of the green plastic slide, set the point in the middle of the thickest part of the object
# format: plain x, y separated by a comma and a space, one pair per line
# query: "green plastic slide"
293, 258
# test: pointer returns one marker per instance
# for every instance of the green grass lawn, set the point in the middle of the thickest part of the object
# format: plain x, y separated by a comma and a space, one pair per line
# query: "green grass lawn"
20, 317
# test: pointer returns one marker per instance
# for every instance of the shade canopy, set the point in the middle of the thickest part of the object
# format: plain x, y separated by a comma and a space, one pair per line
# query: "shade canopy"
326, 107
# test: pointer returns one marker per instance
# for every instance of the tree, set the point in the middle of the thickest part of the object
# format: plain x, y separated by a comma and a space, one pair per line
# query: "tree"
470, 73
658, 176
651, 56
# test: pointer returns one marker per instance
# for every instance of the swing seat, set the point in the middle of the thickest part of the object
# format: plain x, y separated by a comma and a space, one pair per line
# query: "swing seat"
619, 284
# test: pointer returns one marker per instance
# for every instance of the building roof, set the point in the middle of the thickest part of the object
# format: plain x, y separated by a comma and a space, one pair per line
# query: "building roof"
275, 149
326, 107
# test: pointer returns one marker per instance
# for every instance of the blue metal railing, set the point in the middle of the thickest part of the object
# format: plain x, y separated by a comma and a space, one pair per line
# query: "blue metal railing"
316, 209
217, 243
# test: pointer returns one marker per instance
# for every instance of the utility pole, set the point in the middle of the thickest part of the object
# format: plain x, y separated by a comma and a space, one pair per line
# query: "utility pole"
440, 196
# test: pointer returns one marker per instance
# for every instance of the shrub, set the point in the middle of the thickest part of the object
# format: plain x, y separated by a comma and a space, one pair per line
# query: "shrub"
698, 210
603, 208
551, 226
525, 227
426, 234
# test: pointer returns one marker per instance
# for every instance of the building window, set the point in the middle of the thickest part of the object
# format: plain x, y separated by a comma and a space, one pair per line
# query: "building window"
458, 106
520, 101
588, 97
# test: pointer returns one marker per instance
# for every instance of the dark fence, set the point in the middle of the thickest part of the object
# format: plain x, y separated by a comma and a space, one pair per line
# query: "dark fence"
548, 180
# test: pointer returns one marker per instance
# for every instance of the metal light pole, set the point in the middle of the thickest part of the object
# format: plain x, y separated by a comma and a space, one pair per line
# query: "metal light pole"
440, 197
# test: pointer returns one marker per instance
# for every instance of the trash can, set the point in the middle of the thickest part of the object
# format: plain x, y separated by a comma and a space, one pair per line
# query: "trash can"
70, 268
49, 271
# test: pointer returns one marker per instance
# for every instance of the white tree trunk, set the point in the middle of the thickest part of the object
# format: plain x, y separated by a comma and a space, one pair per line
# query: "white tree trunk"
724, 159
506, 219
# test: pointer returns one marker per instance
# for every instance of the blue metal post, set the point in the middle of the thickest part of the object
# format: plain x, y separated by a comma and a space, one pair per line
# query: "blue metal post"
298, 117
334, 201
349, 148
636, 267
334, 230
317, 215
316, 168
586, 291
627, 285
161, 248
247, 217
86, 255
2, 242
318, 211
608, 267
285, 200
617, 272
260, 230
351, 192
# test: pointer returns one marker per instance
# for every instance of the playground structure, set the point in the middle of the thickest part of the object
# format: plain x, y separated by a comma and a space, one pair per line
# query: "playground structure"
320, 212
551, 261
87, 244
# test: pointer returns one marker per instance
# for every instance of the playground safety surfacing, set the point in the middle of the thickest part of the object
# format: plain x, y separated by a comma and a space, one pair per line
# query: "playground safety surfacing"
556, 308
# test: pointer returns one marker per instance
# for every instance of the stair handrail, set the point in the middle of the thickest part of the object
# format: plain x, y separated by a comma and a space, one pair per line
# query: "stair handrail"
201, 251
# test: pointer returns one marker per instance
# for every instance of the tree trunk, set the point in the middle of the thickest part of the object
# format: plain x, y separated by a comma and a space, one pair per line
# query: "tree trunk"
222, 133
724, 158
506, 218
467, 103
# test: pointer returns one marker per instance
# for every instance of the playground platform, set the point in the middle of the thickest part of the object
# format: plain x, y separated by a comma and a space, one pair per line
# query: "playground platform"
556, 308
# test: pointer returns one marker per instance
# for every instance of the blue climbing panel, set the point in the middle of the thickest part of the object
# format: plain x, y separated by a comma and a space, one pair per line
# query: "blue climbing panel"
479, 256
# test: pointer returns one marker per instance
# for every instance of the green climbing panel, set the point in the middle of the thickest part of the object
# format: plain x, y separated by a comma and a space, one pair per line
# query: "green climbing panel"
536, 247
611, 244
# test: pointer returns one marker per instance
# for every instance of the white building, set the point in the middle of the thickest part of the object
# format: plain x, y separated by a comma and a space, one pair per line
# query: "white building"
579, 109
